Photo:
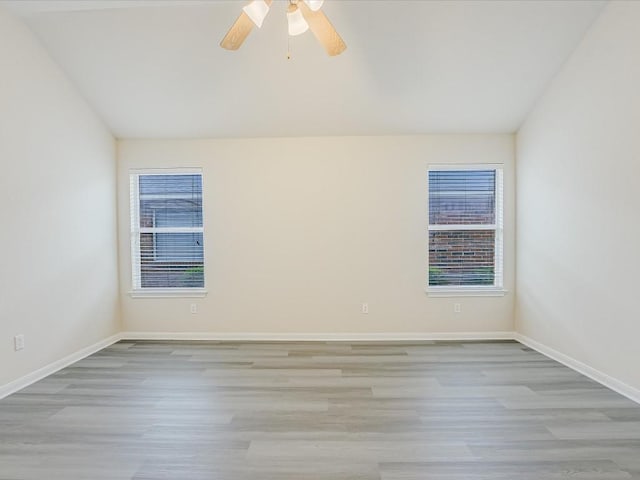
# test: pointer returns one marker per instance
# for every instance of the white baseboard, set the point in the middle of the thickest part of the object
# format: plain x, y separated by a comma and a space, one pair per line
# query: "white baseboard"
594, 374
47, 370
317, 337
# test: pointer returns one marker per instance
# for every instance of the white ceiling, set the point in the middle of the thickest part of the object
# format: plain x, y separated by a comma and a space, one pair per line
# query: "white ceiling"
153, 68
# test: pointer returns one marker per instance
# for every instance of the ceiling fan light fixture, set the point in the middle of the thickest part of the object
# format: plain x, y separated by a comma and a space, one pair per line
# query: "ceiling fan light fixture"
297, 24
257, 10
314, 5
302, 15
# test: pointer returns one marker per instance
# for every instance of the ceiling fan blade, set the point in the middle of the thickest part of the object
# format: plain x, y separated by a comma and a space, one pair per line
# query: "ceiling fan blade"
323, 30
238, 32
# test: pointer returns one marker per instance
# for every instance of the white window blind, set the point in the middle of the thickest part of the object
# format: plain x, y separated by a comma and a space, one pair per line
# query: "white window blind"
167, 231
465, 227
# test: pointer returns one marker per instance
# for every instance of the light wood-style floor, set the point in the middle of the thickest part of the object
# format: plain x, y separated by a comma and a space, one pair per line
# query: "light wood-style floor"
393, 411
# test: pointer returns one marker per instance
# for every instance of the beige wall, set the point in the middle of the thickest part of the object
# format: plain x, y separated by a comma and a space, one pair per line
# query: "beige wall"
58, 275
578, 202
299, 232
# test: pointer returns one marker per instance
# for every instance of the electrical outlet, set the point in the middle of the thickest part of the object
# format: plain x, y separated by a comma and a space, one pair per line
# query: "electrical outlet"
365, 308
457, 308
194, 308
18, 342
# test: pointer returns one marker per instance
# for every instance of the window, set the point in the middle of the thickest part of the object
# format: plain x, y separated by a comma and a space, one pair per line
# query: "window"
465, 229
167, 233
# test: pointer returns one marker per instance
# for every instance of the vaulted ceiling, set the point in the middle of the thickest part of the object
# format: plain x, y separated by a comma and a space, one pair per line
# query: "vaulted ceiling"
153, 68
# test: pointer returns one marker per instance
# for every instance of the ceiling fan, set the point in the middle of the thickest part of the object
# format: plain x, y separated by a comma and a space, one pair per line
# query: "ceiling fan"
302, 15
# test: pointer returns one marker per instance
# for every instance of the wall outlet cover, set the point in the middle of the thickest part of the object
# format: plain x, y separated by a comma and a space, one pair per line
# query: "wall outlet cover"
18, 342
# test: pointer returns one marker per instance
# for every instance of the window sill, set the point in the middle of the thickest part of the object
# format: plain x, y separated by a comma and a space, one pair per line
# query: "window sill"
466, 292
169, 293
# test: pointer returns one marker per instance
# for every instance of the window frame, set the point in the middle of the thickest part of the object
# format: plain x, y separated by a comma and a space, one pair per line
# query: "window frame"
497, 289
135, 231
